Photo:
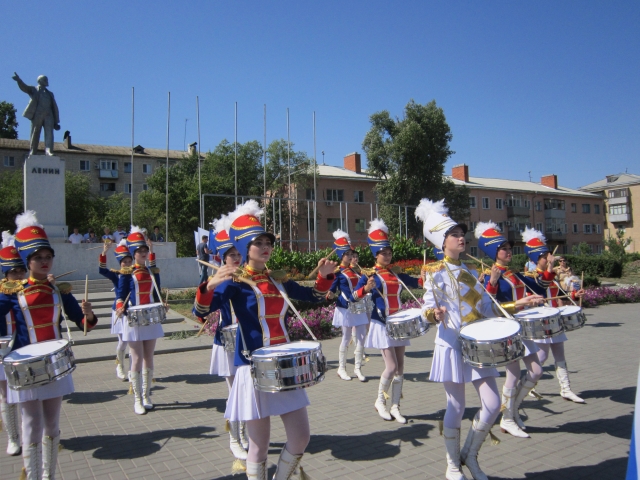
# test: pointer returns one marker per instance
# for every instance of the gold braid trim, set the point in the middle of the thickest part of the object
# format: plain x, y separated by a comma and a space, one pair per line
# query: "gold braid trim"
431, 316
10, 287
510, 307
65, 287
368, 271
279, 275
433, 267
125, 270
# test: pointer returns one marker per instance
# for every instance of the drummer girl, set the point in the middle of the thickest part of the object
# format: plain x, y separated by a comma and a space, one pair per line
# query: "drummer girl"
385, 287
38, 308
124, 258
453, 298
14, 271
508, 286
345, 282
136, 286
536, 249
262, 314
222, 359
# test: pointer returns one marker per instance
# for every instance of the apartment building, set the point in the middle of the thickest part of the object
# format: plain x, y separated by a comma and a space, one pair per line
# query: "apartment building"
621, 194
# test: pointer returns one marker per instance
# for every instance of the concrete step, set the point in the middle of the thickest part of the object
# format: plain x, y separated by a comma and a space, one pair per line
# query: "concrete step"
95, 286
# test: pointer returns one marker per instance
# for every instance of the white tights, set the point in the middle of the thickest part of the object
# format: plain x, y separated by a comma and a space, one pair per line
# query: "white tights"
121, 344
296, 426
361, 332
40, 417
393, 362
141, 354
556, 348
3, 391
489, 397
533, 366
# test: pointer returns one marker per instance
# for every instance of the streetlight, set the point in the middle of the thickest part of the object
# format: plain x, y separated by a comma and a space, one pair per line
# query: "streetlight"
322, 157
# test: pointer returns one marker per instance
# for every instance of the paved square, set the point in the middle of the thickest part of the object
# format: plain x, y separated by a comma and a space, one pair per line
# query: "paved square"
184, 436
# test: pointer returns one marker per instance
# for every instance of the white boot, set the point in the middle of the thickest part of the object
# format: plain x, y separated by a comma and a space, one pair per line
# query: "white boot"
508, 423
120, 365
381, 403
342, 371
524, 388
452, 444
49, 456
287, 464
565, 386
11, 421
396, 395
244, 441
147, 378
475, 439
32, 460
234, 440
359, 357
135, 380
257, 471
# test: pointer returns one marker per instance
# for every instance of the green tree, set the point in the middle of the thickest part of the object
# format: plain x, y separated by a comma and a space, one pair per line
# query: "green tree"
8, 123
583, 248
79, 201
408, 155
616, 247
11, 193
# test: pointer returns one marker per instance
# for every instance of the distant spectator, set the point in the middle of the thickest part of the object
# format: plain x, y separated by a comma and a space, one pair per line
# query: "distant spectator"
203, 254
563, 270
530, 266
91, 238
107, 237
86, 235
119, 234
76, 237
156, 236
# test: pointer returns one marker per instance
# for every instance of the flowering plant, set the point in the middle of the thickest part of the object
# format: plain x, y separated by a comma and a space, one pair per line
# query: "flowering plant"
603, 295
319, 321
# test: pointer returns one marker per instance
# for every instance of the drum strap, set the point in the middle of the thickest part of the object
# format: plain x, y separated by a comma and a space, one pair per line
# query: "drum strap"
280, 287
245, 350
64, 315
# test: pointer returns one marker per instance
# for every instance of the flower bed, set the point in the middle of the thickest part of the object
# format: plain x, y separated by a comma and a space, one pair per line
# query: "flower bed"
604, 295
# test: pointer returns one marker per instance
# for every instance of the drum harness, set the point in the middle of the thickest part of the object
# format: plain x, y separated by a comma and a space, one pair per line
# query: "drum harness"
22, 302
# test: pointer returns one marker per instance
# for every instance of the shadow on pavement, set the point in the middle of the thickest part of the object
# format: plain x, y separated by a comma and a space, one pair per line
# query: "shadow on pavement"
118, 447
614, 468
420, 354
602, 324
85, 398
191, 379
219, 404
625, 395
617, 427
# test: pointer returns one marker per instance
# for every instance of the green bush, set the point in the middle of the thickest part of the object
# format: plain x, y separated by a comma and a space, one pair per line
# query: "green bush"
592, 265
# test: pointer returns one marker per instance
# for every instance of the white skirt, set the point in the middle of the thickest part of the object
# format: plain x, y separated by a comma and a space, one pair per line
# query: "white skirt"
117, 323
3, 377
137, 334
247, 403
378, 338
530, 347
58, 388
557, 339
222, 362
449, 366
343, 318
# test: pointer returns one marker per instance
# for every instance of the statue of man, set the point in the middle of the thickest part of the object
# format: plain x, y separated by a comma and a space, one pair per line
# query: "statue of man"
42, 111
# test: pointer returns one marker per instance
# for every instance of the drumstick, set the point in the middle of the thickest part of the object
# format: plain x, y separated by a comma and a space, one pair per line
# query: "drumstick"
554, 251
408, 289
581, 287
86, 299
240, 279
125, 303
315, 270
204, 324
66, 273
564, 291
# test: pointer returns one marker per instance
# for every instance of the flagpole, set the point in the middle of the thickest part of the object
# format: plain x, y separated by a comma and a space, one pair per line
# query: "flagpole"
235, 149
166, 201
133, 111
199, 179
289, 189
315, 188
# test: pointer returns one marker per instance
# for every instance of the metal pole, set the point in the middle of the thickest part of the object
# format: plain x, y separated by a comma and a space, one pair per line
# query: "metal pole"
235, 146
309, 223
264, 175
199, 176
371, 210
315, 188
133, 111
289, 187
273, 221
166, 207
346, 217
400, 221
340, 208
280, 218
406, 223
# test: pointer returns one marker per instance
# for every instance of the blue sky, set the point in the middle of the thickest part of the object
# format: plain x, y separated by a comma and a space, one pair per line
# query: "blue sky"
541, 87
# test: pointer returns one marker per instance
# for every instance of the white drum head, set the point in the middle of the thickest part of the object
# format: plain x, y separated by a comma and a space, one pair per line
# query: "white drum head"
287, 348
491, 329
144, 307
36, 350
538, 312
405, 315
569, 310
231, 327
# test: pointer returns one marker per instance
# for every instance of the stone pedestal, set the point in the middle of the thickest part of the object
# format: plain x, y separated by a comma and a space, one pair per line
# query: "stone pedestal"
44, 193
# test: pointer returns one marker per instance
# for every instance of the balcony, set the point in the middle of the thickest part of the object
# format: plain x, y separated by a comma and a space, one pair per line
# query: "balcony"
555, 213
618, 201
109, 174
106, 193
556, 236
514, 236
619, 218
517, 212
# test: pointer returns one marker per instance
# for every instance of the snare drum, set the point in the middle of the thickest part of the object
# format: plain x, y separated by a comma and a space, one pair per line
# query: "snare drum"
228, 337
143, 315
539, 323
288, 366
572, 317
492, 342
5, 348
38, 364
362, 306
407, 324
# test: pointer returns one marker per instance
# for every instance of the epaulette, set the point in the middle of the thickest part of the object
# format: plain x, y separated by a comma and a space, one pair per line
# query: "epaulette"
487, 271
64, 287
154, 270
278, 275
396, 269
337, 270
434, 267
531, 274
9, 287
368, 271
242, 272
125, 270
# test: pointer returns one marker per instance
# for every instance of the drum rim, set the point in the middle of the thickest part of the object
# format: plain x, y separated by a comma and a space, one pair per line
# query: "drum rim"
283, 354
64, 346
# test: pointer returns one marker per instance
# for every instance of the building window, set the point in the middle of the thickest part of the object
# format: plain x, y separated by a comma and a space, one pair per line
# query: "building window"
618, 209
85, 165
108, 165
620, 192
145, 187
358, 196
146, 168
553, 204
107, 187
310, 226
472, 226
598, 248
500, 226
575, 228
485, 203
127, 188
538, 206
574, 208
9, 161
127, 167
598, 228
587, 229
474, 251
596, 209
586, 208
361, 225
335, 195
472, 202
499, 203
554, 225
334, 224
517, 250
310, 194
539, 227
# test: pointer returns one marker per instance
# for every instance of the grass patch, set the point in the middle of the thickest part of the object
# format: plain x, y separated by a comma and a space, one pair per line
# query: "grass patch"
182, 335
